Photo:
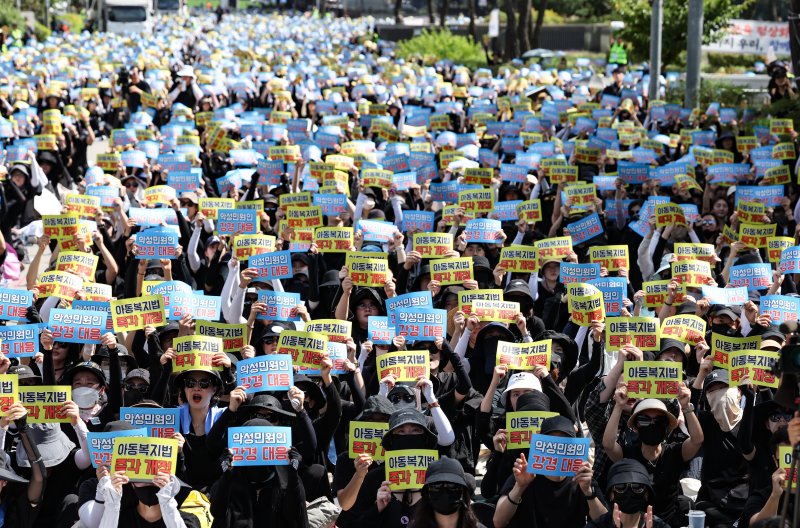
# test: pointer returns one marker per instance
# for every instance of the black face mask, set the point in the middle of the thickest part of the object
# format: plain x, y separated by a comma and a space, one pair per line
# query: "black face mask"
296, 286
723, 329
146, 494
630, 502
652, 434
258, 474
446, 502
415, 441
490, 352
131, 398
248, 305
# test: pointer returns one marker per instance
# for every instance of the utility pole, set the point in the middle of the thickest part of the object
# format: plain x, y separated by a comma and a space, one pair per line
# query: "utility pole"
694, 41
655, 47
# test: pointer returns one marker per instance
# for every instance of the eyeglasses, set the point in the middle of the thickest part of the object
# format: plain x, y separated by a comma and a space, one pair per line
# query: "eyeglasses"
131, 184
367, 306
270, 340
139, 387
622, 488
780, 417
397, 398
186, 203
190, 383
643, 420
707, 222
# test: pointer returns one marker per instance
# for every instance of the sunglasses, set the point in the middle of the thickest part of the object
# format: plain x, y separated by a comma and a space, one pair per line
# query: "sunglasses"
622, 488
367, 306
140, 387
445, 486
644, 420
190, 383
397, 398
779, 417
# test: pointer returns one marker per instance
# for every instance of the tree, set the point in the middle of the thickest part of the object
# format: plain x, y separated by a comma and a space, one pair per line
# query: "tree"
539, 21
636, 15
511, 49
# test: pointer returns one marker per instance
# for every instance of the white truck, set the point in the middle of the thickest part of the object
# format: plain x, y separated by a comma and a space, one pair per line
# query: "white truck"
123, 16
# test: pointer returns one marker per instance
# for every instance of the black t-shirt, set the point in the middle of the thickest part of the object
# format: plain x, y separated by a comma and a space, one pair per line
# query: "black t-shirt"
666, 475
134, 99
607, 521
61, 481
547, 503
723, 465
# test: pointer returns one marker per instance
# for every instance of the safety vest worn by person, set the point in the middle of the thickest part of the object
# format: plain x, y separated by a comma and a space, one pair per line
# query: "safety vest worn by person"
617, 54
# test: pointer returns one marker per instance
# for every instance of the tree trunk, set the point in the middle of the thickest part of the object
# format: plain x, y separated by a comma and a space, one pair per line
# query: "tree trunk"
512, 44
443, 12
539, 21
524, 8
431, 20
397, 7
471, 11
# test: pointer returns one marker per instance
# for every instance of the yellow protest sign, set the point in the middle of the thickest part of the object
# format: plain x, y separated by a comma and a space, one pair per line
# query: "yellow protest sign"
776, 245
452, 270
365, 438
519, 259
210, 206
688, 329
404, 365
46, 142
138, 312
652, 379
477, 200
669, 214
304, 217
530, 211
233, 336
371, 272
524, 356
59, 284
406, 468
478, 176
784, 151
9, 392
563, 173
756, 366
336, 330
376, 178
60, 227
467, 297
44, 402
160, 195
695, 251
196, 352
96, 292
522, 425
779, 127
785, 462
497, 311
307, 349
580, 194
286, 153
756, 235
82, 205
691, 273
143, 458
610, 257
585, 304
723, 346
553, 248
333, 239
779, 175
109, 162
745, 144
641, 332
587, 155
78, 263
301, 199
245, 246
432, 244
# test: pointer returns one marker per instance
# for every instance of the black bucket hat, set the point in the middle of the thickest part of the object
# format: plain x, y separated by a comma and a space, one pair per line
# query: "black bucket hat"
377, 404
307, 385
86, 366
448, 470
628, 471
266, 401
404, 417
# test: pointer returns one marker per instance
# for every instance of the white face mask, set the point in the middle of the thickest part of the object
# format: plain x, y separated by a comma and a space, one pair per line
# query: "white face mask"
726, 408
85, 397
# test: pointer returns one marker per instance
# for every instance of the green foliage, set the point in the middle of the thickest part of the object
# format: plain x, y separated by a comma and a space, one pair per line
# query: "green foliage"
551, 18
726, 94
436, 45
10, 17
41, 31
75, 21
636, 15
584, 10
730, 62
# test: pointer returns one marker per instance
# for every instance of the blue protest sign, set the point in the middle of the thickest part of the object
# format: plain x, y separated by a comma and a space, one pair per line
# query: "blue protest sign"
101, 444
157, 243
506, 211
725, 296
77, 326
557, 456
337, 353
203, 307
183, 181
632, 173
483, 231
379, 331
332, 204
260, 446
99, 306
279, 305
780, 308
571, 272
790, 261
108, 194
421, 299
20, 340
419, 221
14, 304
376, 231
421, 324
241, 221
160, 423
613, 289
513, 173
769, 195
265, 373
275, 265
585, 229
269, 171
751, 276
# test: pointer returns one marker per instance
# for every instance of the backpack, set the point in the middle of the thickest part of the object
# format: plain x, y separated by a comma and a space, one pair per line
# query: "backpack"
198, 506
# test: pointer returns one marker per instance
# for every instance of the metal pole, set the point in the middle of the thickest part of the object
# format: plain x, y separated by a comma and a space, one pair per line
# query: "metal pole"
655, 48
694, 41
